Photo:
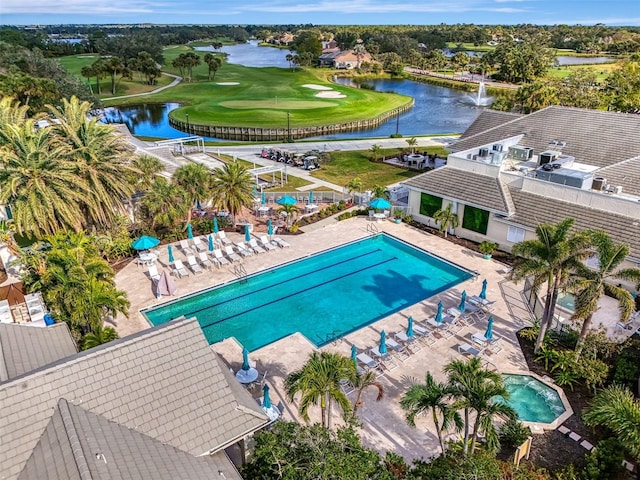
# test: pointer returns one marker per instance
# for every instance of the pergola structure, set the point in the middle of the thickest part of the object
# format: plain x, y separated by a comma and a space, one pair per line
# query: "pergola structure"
183, 145
272, 169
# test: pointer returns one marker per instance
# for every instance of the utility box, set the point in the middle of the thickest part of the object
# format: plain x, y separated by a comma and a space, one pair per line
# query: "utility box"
566, 176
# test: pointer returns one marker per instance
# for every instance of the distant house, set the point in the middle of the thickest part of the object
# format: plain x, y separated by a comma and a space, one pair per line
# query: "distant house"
345, 59
158, 404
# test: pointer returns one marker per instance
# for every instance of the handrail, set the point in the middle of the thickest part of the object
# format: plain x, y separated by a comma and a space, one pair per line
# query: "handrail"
372, 228
334, 337
240, 272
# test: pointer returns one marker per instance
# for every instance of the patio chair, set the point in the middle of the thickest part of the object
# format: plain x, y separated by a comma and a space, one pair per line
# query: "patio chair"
199, 244
346, 387
256, 248
204, 260
179, 270
243, 250
266, 244
231, 255
386, 359
184, 246
470, 350
223, 238
399, 350
193, 264
217, 255
411, 343
281, 243
153, 273
371, 214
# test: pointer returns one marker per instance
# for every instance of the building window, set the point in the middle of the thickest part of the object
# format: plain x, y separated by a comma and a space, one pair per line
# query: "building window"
515, 234
475, 219
429, 204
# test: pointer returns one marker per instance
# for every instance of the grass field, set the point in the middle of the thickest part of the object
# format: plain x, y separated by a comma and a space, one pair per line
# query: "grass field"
602, 70
471, 47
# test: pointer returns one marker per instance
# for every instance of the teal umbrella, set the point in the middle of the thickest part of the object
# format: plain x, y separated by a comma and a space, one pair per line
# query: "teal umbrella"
189, 231
245, 359
286, 200
247, 234
379, 204
266, 401
439, 314
410, 328
170, 250
483, 293
145, 243
263, 199
212, 247
269, 227
488, 334
354, 355
215, 225
463, 299
311, 196
255, 191
383, 342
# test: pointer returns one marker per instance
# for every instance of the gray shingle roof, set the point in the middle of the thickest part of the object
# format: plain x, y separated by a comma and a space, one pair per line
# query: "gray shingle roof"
78, 444
534, 209
593, 137
625, 174
164, 382
487, 120
471, 188
24, 348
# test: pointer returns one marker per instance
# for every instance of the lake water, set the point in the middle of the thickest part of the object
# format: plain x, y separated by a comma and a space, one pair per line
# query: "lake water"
251, 55
568, 60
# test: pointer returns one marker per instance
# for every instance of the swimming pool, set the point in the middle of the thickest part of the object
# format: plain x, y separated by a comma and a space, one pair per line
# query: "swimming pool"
533, 400
566, 301
323, 296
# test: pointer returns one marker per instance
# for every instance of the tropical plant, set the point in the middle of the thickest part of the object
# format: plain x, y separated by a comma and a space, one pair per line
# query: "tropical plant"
487, 248
592, 283
195, 179
432, 397
99, 336
376, 152
513, 433
379, 191
165, 204
290, 210
361, 381
412, 142
318, 383
232, 188
354, 185
446, 219
147, 170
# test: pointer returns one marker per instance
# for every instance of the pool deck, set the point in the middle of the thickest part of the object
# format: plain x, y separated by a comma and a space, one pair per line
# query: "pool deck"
383, 425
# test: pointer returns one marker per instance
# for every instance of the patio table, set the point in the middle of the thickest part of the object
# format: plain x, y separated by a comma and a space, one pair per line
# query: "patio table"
272, 412
247, 376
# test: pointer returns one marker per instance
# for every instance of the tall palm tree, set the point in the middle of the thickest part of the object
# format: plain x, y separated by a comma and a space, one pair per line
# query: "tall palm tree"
362, 381
148, 168
431, 396
548, 259
380, 191
592, 283
195, 179
165, 204
354, 185
232, 188
318, 383
290, 210
99, 336
446, 219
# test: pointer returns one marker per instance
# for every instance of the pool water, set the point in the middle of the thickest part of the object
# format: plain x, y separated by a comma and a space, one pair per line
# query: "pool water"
566, 301
533, 400
323, 296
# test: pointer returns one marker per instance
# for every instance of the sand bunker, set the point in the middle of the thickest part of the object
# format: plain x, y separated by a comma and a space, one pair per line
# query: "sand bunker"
332, 94
227, 83
313, 86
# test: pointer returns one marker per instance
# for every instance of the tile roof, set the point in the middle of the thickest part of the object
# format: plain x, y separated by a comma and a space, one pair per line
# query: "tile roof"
625, 174
24, 348
78, 444
164, 382
487, 120
534, 209
593, 137
487, 192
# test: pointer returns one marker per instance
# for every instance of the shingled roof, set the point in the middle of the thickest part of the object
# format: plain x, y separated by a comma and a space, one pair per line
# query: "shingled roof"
471, 188
164, 382
593, 137
24, 348
80, 445
626, 174
486, 120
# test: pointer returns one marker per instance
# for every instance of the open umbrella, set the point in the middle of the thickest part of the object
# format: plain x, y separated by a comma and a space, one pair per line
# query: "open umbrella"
410, 328
247, 234
286, 200
383, 342
439, 314
215, 225
263, 198
245, 359
310, 196
189, 231
170, 250
12, 293
266, 401
488, 334
483, 293
379, 204
354, 355
145, 243
269, 227
212, 247
463, 299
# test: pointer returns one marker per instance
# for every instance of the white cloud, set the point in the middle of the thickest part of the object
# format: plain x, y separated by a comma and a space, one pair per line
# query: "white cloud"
91, 7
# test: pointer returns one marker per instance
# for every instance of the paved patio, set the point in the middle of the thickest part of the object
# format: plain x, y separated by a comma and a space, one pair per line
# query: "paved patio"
383, 422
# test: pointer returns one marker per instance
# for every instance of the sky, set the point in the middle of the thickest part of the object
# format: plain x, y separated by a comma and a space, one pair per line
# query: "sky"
320, 12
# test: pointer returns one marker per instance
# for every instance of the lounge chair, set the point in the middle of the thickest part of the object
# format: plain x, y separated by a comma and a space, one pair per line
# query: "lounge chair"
386, 359
346, 387
256, 248
281, 243
223, 238
199, 244
193, 264
153, 273
371, 214
179, 270
231, 255
399, 349
243, 250
204, 260
470, 350
184, 246
217, 255
266, 244
411, 343
367, 361
492, 344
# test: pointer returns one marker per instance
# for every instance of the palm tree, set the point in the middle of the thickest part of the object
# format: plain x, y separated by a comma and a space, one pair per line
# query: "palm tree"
412, 142
195, 179
362, 381
549, 259
148, 168
376, 152
291, 210
618, 410
378, 191
431, 396
232, 188
11, 113
592, 283
165, 204
354, 185
318, 383
446, 219
99, 336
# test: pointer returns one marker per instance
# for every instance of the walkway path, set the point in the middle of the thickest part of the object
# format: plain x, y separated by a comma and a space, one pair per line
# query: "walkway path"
176, 80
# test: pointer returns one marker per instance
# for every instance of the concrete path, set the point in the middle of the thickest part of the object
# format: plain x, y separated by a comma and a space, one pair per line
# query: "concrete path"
176, 80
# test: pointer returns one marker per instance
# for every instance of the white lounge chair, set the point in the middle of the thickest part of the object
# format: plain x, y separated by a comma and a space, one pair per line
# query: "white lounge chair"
266, 244
223, 238
256, 248
386, 359
470, 350
184, 246
398, 349
199, 244
193, 264
153, 273
367, 361
243, 249
179, 270
231, 255
411, 343
281, 243
204, 260
221, 259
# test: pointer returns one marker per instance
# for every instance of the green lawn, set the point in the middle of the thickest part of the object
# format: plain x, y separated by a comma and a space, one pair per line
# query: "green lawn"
602, 70
471, 47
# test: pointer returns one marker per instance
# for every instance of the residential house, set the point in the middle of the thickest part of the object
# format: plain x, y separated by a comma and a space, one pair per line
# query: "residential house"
345, 59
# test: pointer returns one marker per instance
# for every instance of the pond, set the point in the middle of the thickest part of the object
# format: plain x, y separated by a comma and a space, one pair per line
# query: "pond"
569, 60
250, 54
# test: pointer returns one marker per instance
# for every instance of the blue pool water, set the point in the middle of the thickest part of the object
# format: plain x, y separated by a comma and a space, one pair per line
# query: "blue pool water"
567, 301
533, 400
322, 296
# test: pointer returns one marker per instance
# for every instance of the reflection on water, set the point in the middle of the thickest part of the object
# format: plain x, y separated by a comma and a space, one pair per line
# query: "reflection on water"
146, 120
251, 55
568, 60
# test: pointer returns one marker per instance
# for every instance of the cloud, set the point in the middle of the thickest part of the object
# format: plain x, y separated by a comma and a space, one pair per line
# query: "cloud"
605, 21
90, 7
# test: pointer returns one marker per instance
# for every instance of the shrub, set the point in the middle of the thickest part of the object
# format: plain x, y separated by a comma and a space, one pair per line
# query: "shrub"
345, 215
407, 219
605, 461
626, 369
294, 228
513, 433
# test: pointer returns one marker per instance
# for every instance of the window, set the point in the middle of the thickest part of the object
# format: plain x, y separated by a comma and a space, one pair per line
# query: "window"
515, 234
429, 204
475, 219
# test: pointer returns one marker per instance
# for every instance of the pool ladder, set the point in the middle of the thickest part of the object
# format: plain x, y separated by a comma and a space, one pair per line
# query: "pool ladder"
372, 228
240, 272
334, 337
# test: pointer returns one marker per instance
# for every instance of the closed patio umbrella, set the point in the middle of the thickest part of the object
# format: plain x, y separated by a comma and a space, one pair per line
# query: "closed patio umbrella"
488, 334
311, 196
354, 355
269, 227
145, 243
383, 342
255, 191
463, 299
263, 198
483, 293
245, 359
410, 328
215, 225
286, 200
379, 204
212, 247
439, 314
247, 233
189, 231
266, 401
170, 250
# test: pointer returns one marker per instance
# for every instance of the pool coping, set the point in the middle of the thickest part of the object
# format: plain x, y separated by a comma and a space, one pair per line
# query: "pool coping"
540, 427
